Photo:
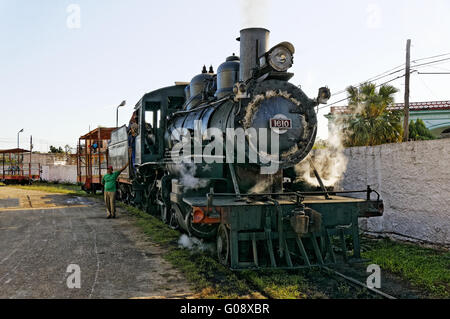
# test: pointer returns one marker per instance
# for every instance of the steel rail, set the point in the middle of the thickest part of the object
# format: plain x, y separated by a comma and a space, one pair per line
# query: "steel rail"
359, 283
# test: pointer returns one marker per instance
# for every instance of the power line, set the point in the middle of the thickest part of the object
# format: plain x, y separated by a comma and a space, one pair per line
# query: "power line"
375, 78
432, 62
416, 66
394, 70
400, 66
347, 98
433, 72
392, 73
431, 57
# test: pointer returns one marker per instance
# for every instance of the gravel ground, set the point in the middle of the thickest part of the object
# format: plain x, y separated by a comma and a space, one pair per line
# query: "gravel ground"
42, 234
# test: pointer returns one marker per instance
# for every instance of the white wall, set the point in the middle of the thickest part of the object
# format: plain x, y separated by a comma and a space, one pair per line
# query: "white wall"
59, 173
414, 182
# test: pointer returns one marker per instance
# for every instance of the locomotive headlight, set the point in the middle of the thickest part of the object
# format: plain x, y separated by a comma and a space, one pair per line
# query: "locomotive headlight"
324, 95
281, 57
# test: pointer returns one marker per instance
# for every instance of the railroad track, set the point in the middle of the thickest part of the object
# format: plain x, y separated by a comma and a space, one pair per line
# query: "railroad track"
266, 285
354, 282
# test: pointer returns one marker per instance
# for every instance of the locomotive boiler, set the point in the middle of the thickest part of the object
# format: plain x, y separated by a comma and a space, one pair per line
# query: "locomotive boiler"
210, 157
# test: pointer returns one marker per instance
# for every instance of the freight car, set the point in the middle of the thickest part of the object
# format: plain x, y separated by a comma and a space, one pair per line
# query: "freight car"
210, 157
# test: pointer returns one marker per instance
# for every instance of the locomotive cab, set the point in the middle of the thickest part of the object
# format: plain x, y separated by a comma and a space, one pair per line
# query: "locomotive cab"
153, 110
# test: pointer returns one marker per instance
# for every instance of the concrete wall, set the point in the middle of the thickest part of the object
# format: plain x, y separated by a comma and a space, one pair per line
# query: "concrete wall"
414, 182
59, 173
60, 168
51, 159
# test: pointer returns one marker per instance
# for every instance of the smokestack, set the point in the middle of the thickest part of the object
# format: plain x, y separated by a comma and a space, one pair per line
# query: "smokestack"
254, 43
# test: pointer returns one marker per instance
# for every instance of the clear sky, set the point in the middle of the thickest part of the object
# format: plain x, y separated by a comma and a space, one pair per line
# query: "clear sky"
60, 75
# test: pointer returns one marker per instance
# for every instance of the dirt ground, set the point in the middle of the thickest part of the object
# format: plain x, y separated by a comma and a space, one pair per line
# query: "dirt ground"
41, 234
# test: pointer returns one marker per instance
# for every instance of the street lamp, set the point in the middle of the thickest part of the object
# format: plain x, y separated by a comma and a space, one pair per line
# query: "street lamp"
117, 112
18, 137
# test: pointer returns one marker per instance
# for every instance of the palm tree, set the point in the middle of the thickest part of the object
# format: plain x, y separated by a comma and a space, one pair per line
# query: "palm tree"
371, 122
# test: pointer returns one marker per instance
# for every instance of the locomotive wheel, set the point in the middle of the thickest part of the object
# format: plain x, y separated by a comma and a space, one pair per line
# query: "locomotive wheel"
223, 245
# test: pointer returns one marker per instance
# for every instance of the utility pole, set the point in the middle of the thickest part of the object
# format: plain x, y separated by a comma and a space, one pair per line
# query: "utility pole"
407, 80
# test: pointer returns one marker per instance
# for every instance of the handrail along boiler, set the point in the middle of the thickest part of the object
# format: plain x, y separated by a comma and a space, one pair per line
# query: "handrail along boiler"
256, 220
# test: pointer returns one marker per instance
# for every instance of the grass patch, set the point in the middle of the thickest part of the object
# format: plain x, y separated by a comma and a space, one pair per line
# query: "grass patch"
69, 189
425, 268
279, 284
212, 280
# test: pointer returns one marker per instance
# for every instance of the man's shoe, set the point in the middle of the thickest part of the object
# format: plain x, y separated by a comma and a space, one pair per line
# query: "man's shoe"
109, 216
114, 216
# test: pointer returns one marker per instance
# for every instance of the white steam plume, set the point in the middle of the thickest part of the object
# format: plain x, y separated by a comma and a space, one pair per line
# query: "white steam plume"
188, 179
195, 244
330, 162
254, 13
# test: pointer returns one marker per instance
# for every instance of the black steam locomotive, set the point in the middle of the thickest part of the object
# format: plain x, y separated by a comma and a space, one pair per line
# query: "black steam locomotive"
210, 157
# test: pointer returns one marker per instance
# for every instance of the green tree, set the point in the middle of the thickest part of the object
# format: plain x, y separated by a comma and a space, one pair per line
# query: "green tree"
371, 122
55, 150
419, 132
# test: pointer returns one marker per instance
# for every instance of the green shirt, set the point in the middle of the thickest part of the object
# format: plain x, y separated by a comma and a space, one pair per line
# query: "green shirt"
109, 180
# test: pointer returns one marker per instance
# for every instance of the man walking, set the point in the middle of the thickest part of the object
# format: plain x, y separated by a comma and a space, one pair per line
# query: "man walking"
109, 182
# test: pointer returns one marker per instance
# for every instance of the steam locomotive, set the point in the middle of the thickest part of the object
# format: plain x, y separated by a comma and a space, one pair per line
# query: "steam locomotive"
214, 157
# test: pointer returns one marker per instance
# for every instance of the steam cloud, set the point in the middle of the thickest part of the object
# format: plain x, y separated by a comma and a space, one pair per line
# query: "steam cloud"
329, 162
254, 13
188, 179
195, 244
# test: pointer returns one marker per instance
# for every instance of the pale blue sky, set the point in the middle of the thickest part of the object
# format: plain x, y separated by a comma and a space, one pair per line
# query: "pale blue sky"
55, 82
